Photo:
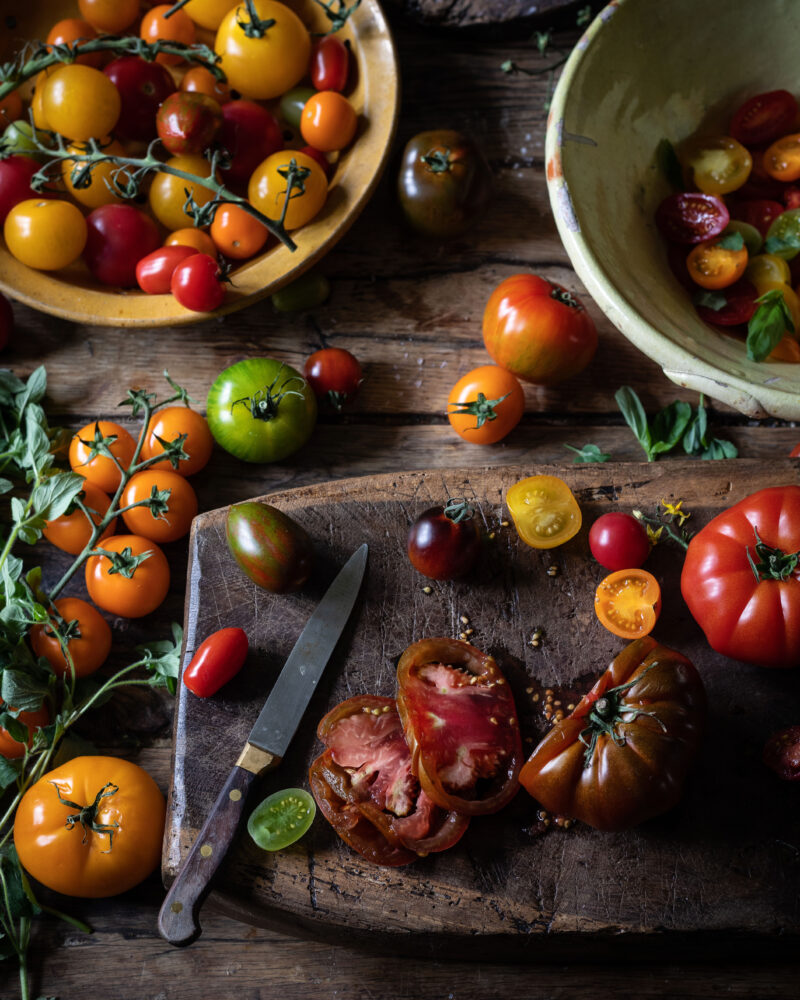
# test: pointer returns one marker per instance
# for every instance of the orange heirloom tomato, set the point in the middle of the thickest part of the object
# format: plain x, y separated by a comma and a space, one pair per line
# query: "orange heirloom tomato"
628, 603
111, 16
133, 590
716, 164
199, 80
88, 640
712, 266
168, 193
328, 121
91, 828
45, 233
170, 423
177, 28
267, 188
236, 233
71, 29
782, 158
544, 511
98, 191
209, 13
485, 404
98, 469
174, 522
81, 102
10, 108
12, 749
71, 532
192, 237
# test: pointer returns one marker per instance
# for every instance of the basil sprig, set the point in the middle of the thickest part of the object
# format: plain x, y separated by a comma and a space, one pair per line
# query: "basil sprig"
768, 325
675, 424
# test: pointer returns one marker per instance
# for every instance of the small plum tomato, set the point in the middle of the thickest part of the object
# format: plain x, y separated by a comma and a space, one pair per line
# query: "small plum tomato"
267, 190
197, 283
329, 121
110, 16
74, 29
142, 86
711, 265
334, 374
72, 532
101, 187
208, 13
782, 753
217, 660
154, 271
544, 510
485, 405
81, 102
118, 237
767, 267
168, 192
691, 217
90, 460
249, 133
191, 236
199, 80
10, 108
13, 749
15, 182
6, 321
628, 603
715, 164
188, 122
782, 158
443, 543
131, 579
330, 64
87, 634
167, 517
763, 118
44, 233
619, 541
269, 547
178, 27
170, 423
236, 233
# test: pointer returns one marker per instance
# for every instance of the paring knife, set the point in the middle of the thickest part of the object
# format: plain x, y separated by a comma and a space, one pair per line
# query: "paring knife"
178, 920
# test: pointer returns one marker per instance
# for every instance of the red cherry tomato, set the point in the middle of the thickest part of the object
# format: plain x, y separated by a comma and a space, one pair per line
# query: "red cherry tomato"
15, 182
740, 304
758, 212
142, 87
216, 661
118, 237
764, 118
250, 134
330, 64
6, 321
691, 217
154, 272
333, 373
320, 157
197, 284
187, 122
619, 541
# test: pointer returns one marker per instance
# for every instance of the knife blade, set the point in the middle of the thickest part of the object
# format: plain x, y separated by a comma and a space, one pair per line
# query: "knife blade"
178, 919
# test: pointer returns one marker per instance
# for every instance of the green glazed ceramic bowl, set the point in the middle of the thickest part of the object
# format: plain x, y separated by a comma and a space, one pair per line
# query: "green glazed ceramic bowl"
648, 70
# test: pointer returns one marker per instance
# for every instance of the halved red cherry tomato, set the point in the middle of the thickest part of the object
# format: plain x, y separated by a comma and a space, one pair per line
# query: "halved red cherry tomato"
764, 117
713, 266
197, 283
691, 217
216, 661
88, 639
758, 212
740, 304
71, 532
619, 540
330, 63
628, 603
715, 164
485, 405
154, 272
443, 543
98, 468
544, 510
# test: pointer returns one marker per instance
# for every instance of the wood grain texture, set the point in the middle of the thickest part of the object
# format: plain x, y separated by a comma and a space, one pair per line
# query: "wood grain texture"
472, 13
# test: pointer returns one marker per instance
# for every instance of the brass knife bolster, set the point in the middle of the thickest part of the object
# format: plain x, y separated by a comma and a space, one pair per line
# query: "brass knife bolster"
256, 761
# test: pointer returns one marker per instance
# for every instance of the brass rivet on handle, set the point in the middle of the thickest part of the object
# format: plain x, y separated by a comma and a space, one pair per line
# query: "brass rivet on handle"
206, 851
176, 907
234, 795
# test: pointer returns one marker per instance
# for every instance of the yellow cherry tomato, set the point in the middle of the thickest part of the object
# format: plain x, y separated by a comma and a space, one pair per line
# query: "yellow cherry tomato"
168, 192
789, 297
44, 233
544, 511
710, 265
209, 13
767, 267
81, 102
268, 187
37, 101
100, 189
715, 164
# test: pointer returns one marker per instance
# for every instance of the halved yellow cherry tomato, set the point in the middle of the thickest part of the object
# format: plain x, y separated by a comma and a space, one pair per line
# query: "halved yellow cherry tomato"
628, 603
767, 267
782, 158
713, 266
268, 187
715, 164
544, 511
789, 297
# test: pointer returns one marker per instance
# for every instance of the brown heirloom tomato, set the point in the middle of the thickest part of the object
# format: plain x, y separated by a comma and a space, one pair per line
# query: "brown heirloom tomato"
460, 723
444, 183
187, 122
365, 787
622, 756
269, 547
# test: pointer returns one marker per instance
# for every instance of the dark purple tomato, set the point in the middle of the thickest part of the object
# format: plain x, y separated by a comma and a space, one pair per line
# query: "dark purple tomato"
333, 374
740, 304
142, 87
330, 64
15, 182
187, 122
782, 753
154, 272
691, 217
250, 134
272, 549
758, 212
197, 283
619, 541
118, 237
764, 118
6, 321
441, 547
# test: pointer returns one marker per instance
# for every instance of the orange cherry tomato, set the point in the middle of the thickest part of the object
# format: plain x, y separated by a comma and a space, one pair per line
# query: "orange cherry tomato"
628, 603
100, 190
12, 749
712, 266
111, 16
71, 29
45, 233
71, 532
10, 108
267, 188
168, 192
192, 237
88, 641
173, 523
81, 102
134, 595
787, 349
485, 404
177, 28
169, 424
715, 164
328, 121
199, 80
236, 233
100, 469
782, 158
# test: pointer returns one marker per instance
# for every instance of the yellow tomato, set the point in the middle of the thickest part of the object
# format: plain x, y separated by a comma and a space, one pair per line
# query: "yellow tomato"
81, 103
544, 511
45, 233
789, 297
767, 267
168, 193
268, 187
209, 13
98, 192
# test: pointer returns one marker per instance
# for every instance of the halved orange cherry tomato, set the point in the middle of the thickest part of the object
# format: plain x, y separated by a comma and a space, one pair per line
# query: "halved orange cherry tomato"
71, 532
628, 603
12, 749
192, 237
544, 511
99, 469
715, 164
782, 158
169, 424
713, 266
236, 234
175, 521
88, 645
179, 27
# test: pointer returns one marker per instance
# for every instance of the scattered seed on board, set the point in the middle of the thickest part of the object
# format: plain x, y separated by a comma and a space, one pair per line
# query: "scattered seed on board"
427, 590
528, 690
464, 620
462, 635
552, 570
535, 697
504, 524
469, 631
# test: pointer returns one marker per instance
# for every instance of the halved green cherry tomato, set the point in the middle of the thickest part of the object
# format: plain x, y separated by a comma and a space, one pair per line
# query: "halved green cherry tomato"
216, 661
282, 818
716, 164
271, 548
628, 603
544, 511
783, 235
753, 239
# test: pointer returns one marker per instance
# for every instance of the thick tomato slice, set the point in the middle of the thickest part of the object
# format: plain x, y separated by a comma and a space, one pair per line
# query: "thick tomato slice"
365, 787
628, 603
764, 117
621, 757
461, 725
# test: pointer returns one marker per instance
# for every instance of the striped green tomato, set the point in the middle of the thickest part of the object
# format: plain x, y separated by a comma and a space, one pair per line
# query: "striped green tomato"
269, 547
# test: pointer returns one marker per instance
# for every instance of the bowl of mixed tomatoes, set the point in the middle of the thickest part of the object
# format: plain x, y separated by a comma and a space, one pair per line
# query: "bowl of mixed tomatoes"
113, 114
675, 185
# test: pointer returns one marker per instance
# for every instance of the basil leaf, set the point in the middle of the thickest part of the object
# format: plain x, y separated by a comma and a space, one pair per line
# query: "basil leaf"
720, 449
10, 770
694, 440
774, 244
731, 241
711, 300
768, 324
589, 453
635, 417
669, 425
669, 164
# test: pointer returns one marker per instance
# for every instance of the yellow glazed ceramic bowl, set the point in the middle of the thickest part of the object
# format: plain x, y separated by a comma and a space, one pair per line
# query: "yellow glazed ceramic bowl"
648, 70
73, 294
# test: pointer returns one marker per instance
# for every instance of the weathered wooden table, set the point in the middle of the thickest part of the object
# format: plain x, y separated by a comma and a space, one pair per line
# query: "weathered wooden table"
411, 311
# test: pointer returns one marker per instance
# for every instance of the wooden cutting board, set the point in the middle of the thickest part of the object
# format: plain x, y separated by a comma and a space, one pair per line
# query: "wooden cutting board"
722, 866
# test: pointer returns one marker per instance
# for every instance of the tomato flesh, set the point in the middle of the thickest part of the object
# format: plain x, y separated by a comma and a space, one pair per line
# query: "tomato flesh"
544, 511
691, 217
628, 603
764, 117
281, 819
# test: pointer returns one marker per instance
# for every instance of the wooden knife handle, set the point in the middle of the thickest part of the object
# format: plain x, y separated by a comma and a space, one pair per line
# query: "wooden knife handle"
178, 920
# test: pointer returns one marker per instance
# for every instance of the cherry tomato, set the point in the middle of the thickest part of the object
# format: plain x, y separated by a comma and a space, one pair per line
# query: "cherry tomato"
740, 304
122, 814
154, 271
187, 123
199, 80
764, 118
760, 212
10, 108
267, 189
795, 452
619, 541
308, 291
712, 266
319, 156
142, 86
6, 321
73, 29
170, 423
134, 595
88, 639
263, 62
111, 16
281, 819
208, 13
292, 104
270, 547
782, 753
330, 64
236, 234
197, 283
80, 102
179, 27
691, 217
99, 469
715, 164
102, 178
168, 192
72, 532
485, 405
329, 121
197, 239
250, 134
782, 159
118, 237
334, 374
217, 660
13, 749
44, 233
544, 511
767, 267
783, 234
165, 526
37, 101
15, 182
538, 330
628, 602
444, 542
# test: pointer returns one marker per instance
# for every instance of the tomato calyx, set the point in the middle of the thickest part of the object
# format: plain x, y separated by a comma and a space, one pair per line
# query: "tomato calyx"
438, 161
773, 564
125, 562
481, 408
254, 26
87, 815
564, 297
264, 403
458, 509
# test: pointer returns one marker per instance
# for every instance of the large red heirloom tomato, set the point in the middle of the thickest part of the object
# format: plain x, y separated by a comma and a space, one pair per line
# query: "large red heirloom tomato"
741, 578
621, 757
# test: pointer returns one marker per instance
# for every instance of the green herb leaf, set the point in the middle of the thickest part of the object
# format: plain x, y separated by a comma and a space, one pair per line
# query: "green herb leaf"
669, 164
711, 300
694, 440
21, 690
10, 770
668, 426
588, 453
34, 389
720, 449
163, 659
635, 417
731, 241
790, 241
53, 497
768, 325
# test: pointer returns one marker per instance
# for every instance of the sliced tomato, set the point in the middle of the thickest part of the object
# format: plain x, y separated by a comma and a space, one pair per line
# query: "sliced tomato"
782, 159
740, 304
691, 217
712, 266
628, 603
764, 117
758, 212
715, 164
461, 725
